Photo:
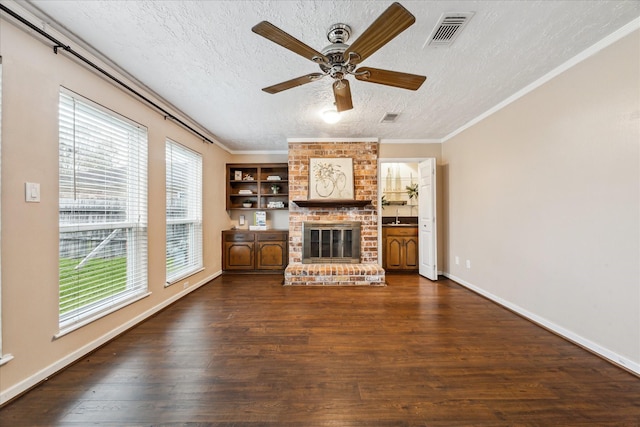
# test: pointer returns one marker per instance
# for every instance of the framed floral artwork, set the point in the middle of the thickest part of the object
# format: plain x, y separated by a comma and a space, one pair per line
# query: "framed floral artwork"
331, 178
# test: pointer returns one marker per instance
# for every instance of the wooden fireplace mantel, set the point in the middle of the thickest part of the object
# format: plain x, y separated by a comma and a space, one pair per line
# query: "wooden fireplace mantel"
332, 203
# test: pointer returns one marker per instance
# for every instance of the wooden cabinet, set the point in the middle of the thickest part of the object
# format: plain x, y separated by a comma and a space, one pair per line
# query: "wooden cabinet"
262, 251
400, 248
264, 186
238, 250
271, 251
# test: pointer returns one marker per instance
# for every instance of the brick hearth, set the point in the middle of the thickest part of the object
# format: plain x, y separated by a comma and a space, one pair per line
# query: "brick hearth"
365, 171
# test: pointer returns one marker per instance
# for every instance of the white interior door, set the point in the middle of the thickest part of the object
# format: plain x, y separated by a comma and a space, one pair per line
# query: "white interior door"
427, 219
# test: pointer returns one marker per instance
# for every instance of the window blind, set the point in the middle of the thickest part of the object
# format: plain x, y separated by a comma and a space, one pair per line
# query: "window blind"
102, 210
184, 211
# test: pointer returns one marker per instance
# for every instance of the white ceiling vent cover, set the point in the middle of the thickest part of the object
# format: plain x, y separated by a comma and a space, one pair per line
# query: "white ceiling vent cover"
389, 118
448, 28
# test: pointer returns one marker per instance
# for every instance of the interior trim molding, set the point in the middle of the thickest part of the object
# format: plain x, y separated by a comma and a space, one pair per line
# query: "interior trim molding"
315, 140
27, 384
90, 59
260, 152
603, 352
410, 141
585, 54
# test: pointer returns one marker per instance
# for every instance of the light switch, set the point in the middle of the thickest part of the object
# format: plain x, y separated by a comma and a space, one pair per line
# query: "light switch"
32, 192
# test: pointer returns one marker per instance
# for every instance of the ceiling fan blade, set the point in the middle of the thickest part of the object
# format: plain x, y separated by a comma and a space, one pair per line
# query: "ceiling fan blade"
298, 81
342, 94
390, 78
276, 35
392, 22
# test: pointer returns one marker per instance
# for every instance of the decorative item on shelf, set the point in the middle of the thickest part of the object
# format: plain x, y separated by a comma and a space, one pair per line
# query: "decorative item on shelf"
247, 203
388, 181
247, 177
275, 189
260, 218
275, 205
245, 192
412, 191
237, 175
273, 178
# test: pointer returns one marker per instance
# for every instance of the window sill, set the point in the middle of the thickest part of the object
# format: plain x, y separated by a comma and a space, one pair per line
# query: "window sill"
72, 327
183, 276
5, 359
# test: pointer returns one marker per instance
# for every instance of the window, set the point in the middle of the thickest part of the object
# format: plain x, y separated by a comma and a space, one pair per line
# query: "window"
102, 211
3, 359
184, 211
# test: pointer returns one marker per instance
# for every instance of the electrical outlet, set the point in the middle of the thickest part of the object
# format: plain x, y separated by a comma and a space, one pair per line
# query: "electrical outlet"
468, 263
457, 260
185, 285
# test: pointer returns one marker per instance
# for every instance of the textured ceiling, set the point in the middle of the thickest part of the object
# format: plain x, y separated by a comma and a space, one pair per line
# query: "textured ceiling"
201, 57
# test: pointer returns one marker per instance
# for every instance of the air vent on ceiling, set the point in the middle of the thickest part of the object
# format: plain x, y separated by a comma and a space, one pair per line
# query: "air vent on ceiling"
389, 118
448, 28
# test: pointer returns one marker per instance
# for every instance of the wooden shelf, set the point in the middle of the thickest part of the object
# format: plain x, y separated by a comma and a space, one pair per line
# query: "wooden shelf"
331, 203
259, 185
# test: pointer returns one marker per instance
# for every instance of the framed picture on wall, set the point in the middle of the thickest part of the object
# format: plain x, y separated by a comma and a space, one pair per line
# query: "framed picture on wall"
331, 178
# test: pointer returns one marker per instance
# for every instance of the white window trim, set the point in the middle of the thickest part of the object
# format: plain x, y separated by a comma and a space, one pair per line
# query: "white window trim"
98, 314
194, 218
90, 314
4, 358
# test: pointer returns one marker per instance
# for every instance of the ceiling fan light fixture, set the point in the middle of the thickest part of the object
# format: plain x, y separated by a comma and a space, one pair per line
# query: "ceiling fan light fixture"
339, 60
331, 116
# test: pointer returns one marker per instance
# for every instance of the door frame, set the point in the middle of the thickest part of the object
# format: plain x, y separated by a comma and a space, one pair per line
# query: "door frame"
381, 161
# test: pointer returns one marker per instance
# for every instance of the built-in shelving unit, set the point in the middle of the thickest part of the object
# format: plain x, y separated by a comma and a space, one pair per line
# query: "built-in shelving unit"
257, 186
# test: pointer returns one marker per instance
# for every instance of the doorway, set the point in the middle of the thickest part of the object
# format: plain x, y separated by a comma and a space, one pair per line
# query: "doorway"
407, 216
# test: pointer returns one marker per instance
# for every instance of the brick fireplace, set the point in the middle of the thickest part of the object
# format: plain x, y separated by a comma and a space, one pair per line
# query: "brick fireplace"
367, 271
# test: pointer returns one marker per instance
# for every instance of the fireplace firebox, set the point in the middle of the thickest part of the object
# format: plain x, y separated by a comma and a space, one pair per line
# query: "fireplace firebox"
331, 242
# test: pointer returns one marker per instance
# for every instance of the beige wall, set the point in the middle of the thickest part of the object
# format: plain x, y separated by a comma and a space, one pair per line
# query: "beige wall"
399, 150
32, 76
543, 199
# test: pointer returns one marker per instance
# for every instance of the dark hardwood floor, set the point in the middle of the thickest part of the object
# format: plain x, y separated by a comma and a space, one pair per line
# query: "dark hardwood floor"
245, 351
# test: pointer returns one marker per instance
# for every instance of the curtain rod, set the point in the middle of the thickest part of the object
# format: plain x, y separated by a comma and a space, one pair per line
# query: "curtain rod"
58, 44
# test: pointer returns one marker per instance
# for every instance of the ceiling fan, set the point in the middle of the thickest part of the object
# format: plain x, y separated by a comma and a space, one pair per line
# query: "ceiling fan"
338, 60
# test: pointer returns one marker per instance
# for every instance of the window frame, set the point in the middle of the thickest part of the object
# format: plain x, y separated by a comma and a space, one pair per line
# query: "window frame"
193, 219
4, 358
135, 223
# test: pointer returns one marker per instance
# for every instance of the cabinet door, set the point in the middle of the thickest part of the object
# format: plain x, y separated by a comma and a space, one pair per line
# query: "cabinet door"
238, 256
271, 256
393, 251
411, 259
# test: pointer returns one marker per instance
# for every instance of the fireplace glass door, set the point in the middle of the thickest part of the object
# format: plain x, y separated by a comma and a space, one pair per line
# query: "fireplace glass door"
331, 242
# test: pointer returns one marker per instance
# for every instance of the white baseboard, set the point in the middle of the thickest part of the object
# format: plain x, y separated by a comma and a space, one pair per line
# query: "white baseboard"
45, 373
603, 352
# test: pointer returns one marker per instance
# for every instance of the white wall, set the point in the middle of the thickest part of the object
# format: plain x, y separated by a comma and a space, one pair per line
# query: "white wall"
543, 199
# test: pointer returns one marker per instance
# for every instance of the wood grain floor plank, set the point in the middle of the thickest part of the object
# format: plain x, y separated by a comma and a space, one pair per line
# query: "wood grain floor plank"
246, 351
